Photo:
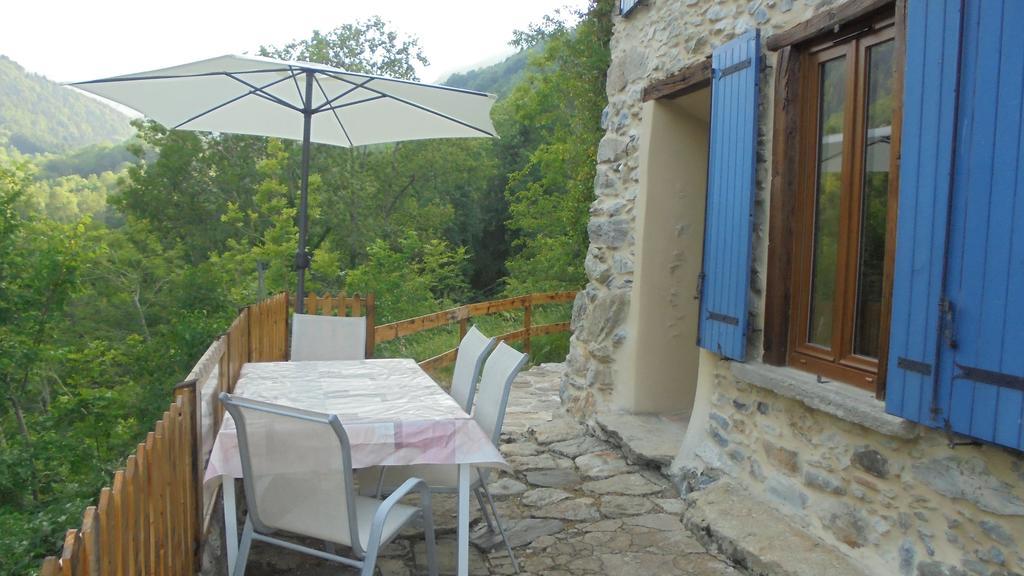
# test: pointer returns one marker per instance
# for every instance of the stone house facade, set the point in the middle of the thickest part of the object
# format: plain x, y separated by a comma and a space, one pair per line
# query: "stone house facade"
829, 446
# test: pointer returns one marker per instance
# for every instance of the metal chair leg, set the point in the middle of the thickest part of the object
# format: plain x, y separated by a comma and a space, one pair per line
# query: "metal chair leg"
428, 536
483, 510
243, 548
501, 529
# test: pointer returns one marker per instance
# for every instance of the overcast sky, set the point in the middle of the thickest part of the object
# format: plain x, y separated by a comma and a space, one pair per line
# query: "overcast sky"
68, 40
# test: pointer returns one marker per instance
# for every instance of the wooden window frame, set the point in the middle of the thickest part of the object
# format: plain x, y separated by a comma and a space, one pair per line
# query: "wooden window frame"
796, 48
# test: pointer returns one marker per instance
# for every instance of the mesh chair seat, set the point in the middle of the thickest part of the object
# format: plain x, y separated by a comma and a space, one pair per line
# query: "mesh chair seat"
440, 477
305, 516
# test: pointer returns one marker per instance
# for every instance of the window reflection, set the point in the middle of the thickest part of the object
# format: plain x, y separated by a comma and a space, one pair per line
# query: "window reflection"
874, 196
831, 106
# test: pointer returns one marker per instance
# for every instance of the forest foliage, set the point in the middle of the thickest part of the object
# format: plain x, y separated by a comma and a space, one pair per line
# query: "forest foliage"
39, 116
120, 264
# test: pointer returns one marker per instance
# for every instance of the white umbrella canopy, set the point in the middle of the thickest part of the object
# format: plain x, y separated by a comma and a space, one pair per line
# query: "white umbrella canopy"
298, 101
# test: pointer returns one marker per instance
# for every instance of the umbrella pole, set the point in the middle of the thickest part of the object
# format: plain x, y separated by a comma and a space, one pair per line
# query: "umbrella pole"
301, 257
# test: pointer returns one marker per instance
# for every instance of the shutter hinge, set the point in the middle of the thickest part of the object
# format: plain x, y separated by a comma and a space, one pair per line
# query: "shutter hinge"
951, 437
947, 318
700, 286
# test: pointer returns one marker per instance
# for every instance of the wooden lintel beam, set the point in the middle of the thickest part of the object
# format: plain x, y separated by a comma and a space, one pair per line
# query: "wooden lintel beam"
824, 22
690, 79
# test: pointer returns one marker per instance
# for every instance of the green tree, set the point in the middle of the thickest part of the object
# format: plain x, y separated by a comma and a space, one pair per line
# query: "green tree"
551, 127
412, 277
366, 47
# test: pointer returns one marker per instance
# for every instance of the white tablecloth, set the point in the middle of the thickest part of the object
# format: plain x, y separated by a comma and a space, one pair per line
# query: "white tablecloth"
392, 411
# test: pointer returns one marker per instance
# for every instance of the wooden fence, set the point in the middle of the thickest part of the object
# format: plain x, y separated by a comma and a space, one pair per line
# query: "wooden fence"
462, 314
151, 520
148, 521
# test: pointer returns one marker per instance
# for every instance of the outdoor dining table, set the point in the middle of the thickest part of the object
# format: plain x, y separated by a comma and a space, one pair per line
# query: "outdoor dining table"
393, 413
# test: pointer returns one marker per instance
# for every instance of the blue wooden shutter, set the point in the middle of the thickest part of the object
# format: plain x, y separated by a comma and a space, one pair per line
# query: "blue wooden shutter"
736, 68
958, 294
926, 166
983, 376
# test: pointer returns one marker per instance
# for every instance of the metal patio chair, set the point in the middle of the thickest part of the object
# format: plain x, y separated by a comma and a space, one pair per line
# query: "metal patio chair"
298, 479
473, 349
499, 371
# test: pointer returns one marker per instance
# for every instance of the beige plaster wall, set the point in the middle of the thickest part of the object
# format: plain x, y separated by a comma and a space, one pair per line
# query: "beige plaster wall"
656, 369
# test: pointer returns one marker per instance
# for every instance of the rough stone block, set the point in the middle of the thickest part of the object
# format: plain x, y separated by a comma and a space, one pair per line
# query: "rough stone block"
786, 492
825, 482
579, 509
627, 484
620, 506
611, 232
871, 461
784, 459
969, 478
599, 465
734, 521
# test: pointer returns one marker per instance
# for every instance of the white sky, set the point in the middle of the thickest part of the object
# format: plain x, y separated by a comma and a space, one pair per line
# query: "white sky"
69, 40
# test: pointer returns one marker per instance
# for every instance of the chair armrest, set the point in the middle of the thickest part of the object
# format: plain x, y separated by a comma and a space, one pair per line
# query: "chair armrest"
381, 515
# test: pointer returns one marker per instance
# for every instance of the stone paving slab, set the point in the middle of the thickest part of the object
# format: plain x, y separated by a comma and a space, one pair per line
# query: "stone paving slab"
572, 506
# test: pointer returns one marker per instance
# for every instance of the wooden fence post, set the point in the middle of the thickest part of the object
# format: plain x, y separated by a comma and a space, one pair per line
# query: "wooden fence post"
188, 392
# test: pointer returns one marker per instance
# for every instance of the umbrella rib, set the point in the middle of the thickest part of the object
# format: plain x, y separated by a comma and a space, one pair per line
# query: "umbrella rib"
176, 76
261, 91
332, 109
235, 99
329, 101
353, 103
403, 81
414, 105
295, 81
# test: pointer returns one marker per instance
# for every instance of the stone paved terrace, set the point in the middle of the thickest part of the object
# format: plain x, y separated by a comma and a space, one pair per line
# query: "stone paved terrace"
573, 506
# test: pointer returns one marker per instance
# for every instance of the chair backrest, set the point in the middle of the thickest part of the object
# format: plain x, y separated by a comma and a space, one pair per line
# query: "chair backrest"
495, 384
297, 469
468, 362
328, 337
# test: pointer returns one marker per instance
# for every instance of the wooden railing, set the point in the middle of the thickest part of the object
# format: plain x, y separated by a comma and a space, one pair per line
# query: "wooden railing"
148, 522
462, 314
151, 520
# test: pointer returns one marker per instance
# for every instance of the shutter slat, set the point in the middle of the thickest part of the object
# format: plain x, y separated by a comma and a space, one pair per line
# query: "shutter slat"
731, 182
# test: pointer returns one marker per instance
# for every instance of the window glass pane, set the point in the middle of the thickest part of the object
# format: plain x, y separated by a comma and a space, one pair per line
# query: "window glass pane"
874, 198
828, 185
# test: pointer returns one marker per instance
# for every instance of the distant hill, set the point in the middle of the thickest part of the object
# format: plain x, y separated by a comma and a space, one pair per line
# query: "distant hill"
496, 79
40, 116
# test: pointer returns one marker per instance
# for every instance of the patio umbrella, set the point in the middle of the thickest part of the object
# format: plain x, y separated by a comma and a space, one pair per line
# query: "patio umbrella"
298, 101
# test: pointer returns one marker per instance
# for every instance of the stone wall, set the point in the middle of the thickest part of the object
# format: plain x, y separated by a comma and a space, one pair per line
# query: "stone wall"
656, 40
902, 505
